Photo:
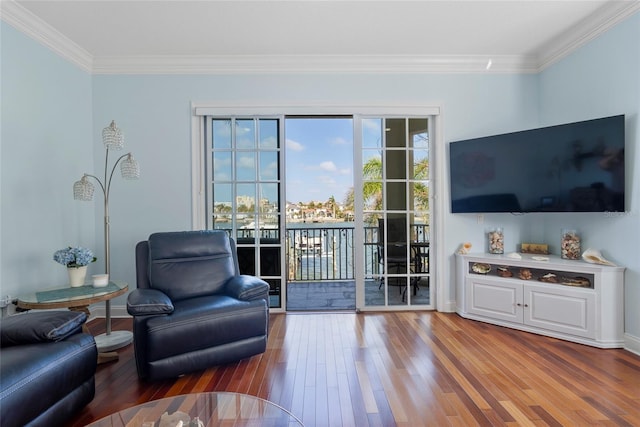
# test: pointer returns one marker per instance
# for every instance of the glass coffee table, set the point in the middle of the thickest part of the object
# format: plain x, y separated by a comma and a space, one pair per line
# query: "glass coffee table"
79, 299
202, 409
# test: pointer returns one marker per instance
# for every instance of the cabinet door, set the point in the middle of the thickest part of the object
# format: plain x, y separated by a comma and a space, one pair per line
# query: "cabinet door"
495, 299
570, 311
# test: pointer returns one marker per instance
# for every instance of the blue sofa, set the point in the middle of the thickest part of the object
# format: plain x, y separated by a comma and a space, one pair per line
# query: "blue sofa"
47, 368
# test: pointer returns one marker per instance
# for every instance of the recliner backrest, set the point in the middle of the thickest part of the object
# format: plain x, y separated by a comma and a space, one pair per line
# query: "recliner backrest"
188, 264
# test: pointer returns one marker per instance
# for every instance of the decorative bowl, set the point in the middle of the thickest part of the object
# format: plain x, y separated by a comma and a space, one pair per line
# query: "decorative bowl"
100, 280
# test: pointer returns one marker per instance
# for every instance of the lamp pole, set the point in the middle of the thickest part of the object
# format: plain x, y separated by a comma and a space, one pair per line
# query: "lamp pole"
106, 188
83, 190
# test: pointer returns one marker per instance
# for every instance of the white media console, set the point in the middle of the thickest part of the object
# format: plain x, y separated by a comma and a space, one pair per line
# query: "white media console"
567, 299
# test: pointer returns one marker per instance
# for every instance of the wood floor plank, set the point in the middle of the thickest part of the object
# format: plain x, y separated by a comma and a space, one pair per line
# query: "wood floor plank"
402, 369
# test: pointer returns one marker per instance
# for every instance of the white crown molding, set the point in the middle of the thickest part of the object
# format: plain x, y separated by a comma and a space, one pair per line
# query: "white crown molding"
608, 16
344, 64
26, 22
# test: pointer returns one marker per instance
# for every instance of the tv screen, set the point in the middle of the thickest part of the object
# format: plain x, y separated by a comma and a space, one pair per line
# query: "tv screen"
574, 167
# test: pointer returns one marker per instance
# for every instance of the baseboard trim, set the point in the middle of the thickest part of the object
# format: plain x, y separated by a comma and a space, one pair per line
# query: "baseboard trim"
632, 344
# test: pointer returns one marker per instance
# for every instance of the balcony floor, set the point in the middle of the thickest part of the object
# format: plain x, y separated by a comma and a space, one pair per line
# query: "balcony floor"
341, 295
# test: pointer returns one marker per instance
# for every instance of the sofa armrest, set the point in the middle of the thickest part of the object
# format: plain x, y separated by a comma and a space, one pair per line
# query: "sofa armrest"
146, 302
247, 288
40, 326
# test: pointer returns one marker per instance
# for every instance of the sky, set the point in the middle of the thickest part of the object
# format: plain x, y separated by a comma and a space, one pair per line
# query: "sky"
319, 158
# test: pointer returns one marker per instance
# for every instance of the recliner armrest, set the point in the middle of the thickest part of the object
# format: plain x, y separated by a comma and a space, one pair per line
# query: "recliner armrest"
247, 288
146, 302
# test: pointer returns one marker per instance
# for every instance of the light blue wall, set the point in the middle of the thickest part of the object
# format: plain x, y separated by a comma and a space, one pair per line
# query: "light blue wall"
46, 145
154, 111
603, 79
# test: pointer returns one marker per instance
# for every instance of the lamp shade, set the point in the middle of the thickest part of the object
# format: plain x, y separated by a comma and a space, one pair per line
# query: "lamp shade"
83, 189
130, 168
112, 137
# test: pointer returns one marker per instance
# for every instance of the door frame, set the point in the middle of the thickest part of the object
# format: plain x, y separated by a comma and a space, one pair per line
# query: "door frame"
200, 110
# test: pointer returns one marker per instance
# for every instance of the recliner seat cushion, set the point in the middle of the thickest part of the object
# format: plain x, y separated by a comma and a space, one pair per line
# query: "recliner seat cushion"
204, 322
187, 265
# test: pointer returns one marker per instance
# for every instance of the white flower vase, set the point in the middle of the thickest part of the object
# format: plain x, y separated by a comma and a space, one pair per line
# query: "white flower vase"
77, 275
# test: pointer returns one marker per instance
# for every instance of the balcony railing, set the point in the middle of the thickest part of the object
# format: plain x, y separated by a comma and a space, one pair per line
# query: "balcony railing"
319, 252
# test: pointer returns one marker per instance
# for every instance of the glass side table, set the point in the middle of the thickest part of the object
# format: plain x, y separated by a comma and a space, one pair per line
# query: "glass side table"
79, 299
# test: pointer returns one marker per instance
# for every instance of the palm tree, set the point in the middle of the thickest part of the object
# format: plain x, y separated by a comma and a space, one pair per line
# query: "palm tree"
372, 187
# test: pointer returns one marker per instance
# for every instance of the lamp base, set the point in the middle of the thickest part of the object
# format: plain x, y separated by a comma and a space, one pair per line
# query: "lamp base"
113, 341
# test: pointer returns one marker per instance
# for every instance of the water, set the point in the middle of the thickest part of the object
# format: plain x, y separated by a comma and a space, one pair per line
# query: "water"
320, 251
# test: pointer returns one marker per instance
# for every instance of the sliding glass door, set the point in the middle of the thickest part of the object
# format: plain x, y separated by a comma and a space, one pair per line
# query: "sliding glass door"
389, 208
244, 191
395, 203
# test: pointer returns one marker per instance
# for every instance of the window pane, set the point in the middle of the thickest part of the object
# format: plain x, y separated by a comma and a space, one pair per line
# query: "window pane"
245, 134
396, 164
222, 222
420, 164
396, 135
268, 134
246, 198
396, 195
221, 133
246, 232
372, 165
222, 168
269, 228
269, 165
372, 133
420, 191
246, 166
269, 197
372, 192
222, 198
270, 261
418, 130
247, 260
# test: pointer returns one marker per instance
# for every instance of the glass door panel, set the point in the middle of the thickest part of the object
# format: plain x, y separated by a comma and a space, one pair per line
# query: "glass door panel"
244, 188
395, 200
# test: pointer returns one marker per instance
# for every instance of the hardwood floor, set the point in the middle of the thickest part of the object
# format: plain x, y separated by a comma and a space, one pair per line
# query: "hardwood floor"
403, 369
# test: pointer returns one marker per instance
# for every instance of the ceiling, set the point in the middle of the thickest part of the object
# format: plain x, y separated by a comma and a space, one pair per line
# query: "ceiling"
153, 35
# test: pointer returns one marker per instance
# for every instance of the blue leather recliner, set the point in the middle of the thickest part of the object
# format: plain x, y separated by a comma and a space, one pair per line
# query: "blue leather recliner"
192, 309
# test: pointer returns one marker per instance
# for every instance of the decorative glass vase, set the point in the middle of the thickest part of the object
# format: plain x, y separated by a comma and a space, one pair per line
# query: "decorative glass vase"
570, 244
77, 276
496, 240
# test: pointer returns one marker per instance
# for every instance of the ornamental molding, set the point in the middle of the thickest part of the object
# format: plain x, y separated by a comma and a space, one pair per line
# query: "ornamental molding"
608, 16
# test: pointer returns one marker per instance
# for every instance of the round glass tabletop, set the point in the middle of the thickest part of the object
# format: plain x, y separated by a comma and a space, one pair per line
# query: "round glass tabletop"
202, 410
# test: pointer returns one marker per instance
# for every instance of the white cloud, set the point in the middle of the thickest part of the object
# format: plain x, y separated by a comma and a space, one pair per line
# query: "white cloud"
246, 162
328, 166
294, 145
270, 142
339, 141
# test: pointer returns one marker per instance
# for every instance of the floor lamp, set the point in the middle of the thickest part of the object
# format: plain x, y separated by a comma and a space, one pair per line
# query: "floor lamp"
83, 189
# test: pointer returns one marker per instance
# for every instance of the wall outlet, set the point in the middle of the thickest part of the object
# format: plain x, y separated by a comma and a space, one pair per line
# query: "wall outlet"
480, 218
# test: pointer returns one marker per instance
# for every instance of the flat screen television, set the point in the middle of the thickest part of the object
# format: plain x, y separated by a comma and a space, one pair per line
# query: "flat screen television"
574, 167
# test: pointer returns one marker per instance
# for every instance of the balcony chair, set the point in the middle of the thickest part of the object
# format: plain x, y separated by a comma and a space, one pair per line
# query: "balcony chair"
394, 253
192, 309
